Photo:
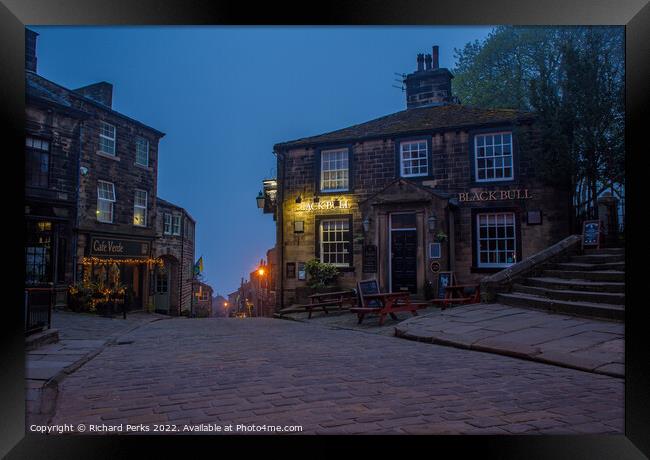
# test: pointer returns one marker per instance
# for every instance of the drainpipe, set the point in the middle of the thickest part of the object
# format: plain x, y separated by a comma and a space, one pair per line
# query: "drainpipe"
75, 230
180, 275
280, 224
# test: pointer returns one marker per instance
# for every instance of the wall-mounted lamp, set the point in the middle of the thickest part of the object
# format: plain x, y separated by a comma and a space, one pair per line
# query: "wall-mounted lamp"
366, 224
260, 200
83, 170
432, 221
298, 226
299, 199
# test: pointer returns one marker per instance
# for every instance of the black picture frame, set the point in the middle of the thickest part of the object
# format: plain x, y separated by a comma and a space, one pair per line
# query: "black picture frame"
635, 15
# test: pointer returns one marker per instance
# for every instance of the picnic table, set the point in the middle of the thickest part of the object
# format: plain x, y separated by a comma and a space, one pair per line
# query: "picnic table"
323, 300
390, 303
456, 294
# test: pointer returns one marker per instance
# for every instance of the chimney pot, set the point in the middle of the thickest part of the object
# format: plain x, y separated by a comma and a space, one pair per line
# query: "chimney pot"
435, 63
427, 62
420, 62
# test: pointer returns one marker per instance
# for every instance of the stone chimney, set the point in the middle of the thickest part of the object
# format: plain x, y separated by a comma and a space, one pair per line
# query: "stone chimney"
101, 92
428, 85
30, 50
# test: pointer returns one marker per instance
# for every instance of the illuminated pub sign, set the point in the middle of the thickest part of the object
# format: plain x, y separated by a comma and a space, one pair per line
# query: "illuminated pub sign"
495, 195
322, 204
111, 247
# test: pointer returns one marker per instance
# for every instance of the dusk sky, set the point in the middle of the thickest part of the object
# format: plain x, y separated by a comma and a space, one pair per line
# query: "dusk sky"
225, 95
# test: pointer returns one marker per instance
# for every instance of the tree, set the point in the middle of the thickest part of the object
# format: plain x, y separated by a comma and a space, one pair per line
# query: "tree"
573, 77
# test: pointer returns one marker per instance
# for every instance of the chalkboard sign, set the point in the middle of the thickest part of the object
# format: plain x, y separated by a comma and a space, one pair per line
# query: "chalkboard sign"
370, 258
444, 279
591, 233
368, 287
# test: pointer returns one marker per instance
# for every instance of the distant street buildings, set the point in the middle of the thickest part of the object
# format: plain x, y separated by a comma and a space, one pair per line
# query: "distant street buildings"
91, 209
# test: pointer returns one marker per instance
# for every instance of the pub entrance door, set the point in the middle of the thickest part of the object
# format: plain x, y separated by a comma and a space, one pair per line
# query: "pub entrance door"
403, 252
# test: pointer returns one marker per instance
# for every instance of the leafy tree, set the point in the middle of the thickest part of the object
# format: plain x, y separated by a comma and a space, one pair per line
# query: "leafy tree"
573, 77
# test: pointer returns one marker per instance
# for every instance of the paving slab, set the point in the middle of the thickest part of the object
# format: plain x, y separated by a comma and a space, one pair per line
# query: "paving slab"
586, 344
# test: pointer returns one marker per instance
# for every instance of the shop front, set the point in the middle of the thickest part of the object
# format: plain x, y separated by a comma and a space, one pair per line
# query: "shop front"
127, 262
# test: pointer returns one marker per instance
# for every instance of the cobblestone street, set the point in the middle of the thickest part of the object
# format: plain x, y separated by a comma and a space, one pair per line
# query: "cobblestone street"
330, 381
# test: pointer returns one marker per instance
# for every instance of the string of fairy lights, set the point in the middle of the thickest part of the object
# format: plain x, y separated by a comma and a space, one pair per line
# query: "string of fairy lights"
150, 261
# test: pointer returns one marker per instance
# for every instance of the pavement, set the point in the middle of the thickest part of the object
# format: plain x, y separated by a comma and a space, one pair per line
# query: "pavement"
262, 372
81, 337
586, 344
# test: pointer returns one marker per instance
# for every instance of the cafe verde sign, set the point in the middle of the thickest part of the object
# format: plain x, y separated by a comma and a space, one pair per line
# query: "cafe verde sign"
324, 204
495, 195
111, 247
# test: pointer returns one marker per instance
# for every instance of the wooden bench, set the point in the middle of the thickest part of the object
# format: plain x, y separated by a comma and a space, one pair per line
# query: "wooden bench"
323, 300
388, 303
457, 295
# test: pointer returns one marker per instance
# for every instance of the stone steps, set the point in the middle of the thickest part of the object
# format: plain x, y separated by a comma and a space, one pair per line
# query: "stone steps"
605, 251
619, 266
589, 275
571, 295
598, 258
575, 284
589, 309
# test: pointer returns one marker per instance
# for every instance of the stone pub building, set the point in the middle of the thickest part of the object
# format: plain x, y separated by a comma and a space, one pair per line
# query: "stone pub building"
437, 187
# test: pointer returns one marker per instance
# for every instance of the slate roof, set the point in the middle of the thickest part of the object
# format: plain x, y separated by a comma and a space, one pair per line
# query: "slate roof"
172, 205
40, 87
415, 120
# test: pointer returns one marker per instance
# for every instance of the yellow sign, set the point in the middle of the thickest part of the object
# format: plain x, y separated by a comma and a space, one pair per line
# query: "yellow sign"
495, 195
322, 205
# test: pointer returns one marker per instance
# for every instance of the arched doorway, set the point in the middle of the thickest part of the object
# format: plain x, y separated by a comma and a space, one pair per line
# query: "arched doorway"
166, 286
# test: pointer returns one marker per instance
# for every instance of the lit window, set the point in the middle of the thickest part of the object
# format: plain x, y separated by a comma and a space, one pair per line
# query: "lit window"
105, 200
493, 159
334, 170
335, 242
107, 138
142, 151
167, 229
176, 225
414, 159
496, 244
140, 208
37, 157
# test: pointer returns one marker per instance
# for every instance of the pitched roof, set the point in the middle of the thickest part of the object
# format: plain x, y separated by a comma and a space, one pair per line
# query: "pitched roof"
40, 87
172, 205
415, 120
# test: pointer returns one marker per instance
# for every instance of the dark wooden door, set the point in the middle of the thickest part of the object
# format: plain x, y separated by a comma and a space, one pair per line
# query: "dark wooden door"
404, 261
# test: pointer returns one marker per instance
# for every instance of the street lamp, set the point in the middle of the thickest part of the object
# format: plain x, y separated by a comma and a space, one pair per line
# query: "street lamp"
432, 221
260, 200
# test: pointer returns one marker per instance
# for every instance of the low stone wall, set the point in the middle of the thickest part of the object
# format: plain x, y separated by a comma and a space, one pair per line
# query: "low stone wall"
503, 280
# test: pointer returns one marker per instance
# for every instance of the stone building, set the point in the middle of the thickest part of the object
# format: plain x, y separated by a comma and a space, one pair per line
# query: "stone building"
437, 187
92, 176
52, 145
175, 245
202, 306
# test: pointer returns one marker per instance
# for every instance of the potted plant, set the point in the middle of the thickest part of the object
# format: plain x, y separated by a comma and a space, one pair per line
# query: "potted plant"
320, 275
441, 236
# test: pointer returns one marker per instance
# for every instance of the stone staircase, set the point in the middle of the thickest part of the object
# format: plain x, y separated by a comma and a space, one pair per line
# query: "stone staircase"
591, 285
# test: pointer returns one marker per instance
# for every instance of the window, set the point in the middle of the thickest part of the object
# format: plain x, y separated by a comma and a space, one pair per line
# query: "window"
496, 239
204, 294
37, 157
334, 171
38, 253
105, 200
414, 159
142, 151
291, 270
493, 158
167, 224
335, 242
176, 224
140, 208
189, 230
107, 138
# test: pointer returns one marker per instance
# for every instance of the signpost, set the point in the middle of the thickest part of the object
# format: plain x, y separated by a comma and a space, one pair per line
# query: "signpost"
591, 234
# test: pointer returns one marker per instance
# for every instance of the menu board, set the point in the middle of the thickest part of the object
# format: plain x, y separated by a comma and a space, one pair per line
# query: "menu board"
444, 279
591, 233
370, 258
